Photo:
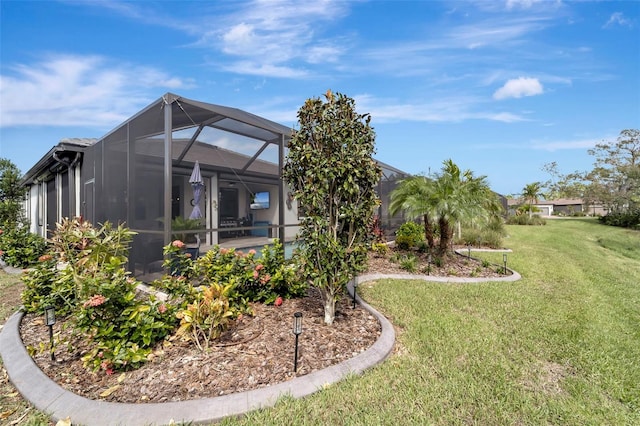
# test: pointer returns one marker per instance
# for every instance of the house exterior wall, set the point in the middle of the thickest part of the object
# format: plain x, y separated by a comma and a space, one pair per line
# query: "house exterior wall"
50, 198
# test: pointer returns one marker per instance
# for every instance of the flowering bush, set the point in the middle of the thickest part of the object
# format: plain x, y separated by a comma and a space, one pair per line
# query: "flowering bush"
258, 279
123, 328
83, 275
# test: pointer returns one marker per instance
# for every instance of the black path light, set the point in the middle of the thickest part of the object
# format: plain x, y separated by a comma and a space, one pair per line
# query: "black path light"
49, 320
504, 260
355, 284
297, 329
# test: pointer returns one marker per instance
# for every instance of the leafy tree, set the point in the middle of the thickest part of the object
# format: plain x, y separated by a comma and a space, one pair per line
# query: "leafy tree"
11, 194
531, 194
563, 186
615, 180
333, 175
449, 199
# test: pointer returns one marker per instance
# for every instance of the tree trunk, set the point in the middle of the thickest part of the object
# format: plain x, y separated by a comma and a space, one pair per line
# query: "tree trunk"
329, 308
445, 236
428, 232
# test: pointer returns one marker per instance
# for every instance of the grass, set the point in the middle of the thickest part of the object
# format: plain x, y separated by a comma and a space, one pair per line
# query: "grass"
13, 409
560, 346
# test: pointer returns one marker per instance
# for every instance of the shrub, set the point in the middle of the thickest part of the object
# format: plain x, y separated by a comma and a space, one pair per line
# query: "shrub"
207, 317
409, 263
423, 247
413, 233
404, 242
84, 275
492, 239
380, 249
525, 220
19, 247
257, 279
78, 256
123, 329
626, 219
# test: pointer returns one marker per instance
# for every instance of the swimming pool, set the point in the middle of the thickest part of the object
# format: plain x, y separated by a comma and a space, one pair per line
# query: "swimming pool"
289, 246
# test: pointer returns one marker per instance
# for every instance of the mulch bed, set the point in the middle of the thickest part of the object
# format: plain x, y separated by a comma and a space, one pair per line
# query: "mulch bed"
256, 351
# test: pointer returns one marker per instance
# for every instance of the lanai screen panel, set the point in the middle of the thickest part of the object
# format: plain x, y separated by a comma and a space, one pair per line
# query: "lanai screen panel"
388, 182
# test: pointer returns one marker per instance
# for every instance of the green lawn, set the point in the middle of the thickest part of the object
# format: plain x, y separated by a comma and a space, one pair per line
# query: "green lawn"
561, 346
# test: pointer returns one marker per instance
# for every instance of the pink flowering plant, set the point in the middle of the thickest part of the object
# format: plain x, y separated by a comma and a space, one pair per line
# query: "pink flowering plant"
123, 328
177, 260
256, 278
83, 276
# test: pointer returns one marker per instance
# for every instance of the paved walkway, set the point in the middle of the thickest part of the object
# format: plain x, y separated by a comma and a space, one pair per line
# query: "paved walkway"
47, 396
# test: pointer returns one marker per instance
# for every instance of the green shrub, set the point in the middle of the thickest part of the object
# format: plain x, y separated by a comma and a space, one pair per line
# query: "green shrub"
83, 275
404, 242
492, 239
46, 285
409, 263
207, 317
257, 279
423, 247
409, 233
19, 247
380, 249
625, 219
524, 219
122, 328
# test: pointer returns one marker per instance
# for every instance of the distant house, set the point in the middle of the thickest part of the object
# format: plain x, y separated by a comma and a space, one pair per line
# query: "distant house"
560, 207
142, 174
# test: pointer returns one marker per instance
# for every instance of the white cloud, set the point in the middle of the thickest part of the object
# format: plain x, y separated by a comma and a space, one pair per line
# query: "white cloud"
451, 110
64, 90
565, 144
519, 87
524, 4
617, 18
271, 36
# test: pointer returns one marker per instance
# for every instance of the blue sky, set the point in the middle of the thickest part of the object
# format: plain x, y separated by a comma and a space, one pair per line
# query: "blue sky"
500, 87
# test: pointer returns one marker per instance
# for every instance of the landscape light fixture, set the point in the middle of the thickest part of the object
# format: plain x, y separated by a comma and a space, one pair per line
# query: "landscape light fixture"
297, 329
469, 250
504, 260
429, 264
49, 320
353, 306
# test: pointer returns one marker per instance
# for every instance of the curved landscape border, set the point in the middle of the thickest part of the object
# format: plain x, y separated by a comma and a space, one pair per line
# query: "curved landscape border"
49, 397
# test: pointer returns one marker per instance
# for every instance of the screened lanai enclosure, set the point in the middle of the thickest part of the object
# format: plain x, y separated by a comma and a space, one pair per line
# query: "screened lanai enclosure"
185, 169
179, 169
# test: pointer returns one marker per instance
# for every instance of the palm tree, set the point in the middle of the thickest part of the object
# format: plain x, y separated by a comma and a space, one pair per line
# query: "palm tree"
531, 194
451, 197
459, 197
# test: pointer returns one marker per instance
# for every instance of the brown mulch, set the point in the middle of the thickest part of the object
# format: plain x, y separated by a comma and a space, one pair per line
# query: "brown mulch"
257, 350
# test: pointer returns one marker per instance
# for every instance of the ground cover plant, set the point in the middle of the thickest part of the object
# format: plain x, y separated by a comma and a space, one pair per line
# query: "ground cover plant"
557, 347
